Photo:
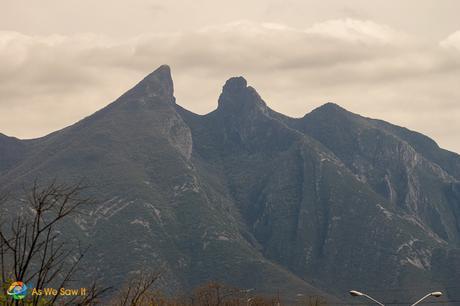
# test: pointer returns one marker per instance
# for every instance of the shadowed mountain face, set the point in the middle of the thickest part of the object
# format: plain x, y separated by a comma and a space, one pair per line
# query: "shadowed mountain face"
253, 198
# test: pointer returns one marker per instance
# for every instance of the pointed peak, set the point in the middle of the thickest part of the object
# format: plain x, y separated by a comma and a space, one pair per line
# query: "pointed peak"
161, 77
163, 71
158, 84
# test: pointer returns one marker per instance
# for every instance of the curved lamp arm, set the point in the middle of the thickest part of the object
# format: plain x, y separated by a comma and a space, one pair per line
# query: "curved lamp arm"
357, 293
435, 294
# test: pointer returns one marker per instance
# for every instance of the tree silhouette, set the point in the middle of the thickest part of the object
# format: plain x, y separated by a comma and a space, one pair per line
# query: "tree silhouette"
31, 248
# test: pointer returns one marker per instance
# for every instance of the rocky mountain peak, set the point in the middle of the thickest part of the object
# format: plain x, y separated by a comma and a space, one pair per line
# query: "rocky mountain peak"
235, 85
280, 200
331, 112
158, 84
331, 107
237, 96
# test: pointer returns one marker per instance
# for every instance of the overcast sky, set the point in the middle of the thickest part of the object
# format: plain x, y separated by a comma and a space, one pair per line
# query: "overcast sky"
394, 60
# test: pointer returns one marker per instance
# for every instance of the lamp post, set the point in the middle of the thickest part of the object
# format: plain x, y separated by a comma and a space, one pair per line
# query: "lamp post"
357, 293
248, 300
435, 294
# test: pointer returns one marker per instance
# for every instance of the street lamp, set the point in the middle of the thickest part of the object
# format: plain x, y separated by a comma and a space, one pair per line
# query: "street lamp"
248, 300
435, 294
357, 293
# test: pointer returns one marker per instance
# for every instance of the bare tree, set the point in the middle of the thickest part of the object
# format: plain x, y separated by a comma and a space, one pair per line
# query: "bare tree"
31, 248
93, 296
138, 291
216, 294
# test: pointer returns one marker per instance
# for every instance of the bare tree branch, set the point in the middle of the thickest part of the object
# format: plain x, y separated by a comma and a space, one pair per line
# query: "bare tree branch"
33, 241
137, 290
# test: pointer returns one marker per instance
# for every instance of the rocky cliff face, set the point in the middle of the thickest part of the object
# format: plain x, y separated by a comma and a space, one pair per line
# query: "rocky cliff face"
250, 197
383, 157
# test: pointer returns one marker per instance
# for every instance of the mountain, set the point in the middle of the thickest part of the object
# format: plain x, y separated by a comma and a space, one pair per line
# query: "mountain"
12, 151
244, 195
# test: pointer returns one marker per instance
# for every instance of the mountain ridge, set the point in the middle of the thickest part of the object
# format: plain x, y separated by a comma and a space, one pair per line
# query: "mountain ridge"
251, 197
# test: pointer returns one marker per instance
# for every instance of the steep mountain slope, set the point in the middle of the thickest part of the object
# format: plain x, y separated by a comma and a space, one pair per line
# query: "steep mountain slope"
309, 212
253, 198
448, 161
156, 209
405, 167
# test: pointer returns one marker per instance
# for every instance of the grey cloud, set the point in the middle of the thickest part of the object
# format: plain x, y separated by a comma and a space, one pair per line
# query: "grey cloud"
366, 67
